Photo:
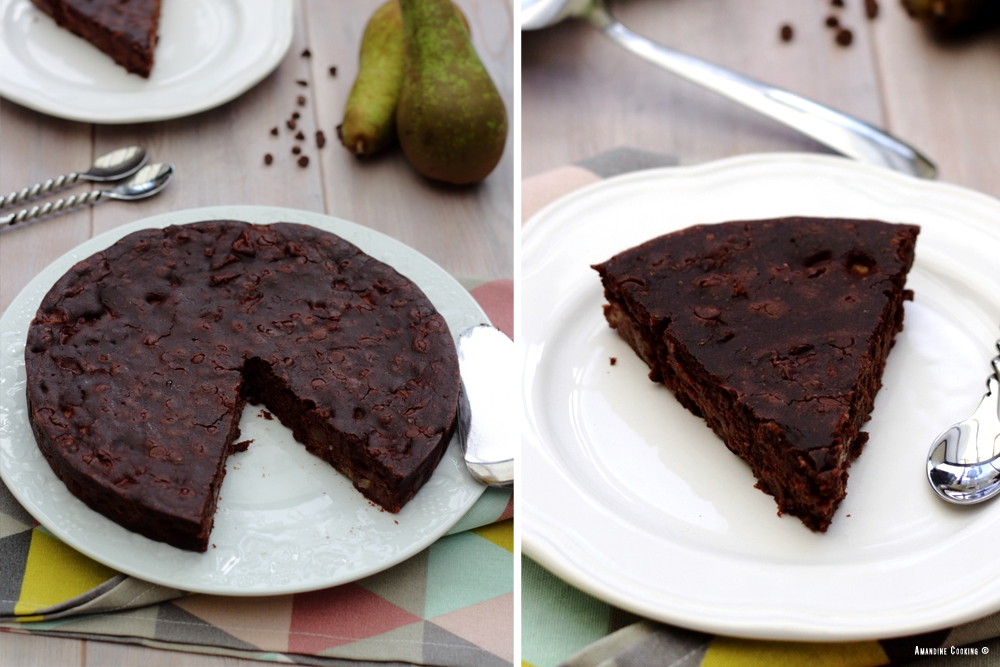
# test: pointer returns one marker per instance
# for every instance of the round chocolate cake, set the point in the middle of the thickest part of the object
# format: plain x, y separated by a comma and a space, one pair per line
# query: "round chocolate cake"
141, 358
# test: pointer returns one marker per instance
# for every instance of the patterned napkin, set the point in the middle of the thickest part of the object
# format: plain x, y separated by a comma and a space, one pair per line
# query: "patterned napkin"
452, 604
561, 625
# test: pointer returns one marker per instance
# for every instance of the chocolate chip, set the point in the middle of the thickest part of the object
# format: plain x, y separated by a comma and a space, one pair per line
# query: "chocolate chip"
301, 100
333, 71
837, 3
307, 54
832, 21
274, 130
268, 158
320, 139
290, 123
300, 136
787, 32
295, 115
845, 37
303, 161
302, 82
871, 8
296, 150
614, 360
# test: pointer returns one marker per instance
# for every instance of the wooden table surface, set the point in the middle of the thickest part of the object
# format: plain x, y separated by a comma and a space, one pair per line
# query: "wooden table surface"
219, 156
582, 95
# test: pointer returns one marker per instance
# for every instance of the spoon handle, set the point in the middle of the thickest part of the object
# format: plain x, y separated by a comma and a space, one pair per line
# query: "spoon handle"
39, 189
844, 134
49, 208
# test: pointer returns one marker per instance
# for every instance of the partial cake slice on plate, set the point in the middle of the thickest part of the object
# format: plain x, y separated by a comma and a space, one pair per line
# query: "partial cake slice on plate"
776, 332
126, 30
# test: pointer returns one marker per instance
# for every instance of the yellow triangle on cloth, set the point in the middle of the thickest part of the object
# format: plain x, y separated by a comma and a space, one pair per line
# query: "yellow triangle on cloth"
500, 534
730, 652
55, 573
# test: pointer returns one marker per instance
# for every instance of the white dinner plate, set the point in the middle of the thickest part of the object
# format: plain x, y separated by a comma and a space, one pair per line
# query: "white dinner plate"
210, 51
286, 521
630, 497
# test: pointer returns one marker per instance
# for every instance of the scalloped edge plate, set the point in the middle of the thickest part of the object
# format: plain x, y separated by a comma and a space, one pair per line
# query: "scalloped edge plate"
631, 498
209, 52
286, 521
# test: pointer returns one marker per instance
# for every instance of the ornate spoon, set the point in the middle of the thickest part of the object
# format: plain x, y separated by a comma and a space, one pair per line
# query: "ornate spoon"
145, 183
963, 465
115, 165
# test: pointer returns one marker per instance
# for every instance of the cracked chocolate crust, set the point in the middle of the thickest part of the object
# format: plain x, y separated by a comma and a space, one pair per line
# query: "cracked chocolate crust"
141, 358
776, 332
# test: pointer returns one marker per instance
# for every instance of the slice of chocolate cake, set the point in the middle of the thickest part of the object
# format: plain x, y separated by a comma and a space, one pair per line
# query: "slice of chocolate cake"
141, 358
126, 30
776, 332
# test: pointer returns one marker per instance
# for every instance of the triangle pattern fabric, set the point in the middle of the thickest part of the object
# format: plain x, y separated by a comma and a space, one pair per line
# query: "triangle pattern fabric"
455, 573
404, 585
13, 558
263, 622
477, 624
402, 645
176, 624
776, 332
444, 648
78, 574
325, 619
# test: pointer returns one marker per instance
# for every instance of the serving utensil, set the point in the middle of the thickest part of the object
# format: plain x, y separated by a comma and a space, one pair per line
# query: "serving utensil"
963, 465
844, 134
147, 182
112, 166
486, 427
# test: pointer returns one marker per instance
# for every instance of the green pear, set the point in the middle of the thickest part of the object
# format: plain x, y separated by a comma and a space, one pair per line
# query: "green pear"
451, 120
369, 123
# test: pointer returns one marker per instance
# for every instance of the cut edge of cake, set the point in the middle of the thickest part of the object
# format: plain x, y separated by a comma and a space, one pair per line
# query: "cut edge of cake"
799, 484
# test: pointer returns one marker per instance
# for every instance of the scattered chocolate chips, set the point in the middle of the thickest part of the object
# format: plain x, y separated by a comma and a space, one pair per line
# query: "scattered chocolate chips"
302, 82
787, 32
301, 100
832, 21
320, 139
274, 130
300, 136
871, 8
333, 71
307, 54
303, 161
268, 158
296, 150
844, 37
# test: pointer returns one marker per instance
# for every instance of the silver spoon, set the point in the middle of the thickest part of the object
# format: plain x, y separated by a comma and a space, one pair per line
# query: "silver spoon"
486, 402
844, 134
110, 167
145, 183
963, 465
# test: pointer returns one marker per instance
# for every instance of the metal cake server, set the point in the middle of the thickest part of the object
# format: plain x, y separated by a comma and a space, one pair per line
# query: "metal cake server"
486, 427
112, 166
147, 182
844, 134
963, 465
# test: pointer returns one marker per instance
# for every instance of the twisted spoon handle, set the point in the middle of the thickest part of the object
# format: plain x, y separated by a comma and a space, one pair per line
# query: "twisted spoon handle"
50, 208
39, 189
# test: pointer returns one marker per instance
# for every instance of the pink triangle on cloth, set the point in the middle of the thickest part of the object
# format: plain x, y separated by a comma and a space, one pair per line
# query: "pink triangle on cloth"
338, 616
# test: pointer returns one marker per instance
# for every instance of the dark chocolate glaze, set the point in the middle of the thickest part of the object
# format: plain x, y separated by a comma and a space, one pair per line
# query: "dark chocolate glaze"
779, 326
141, 357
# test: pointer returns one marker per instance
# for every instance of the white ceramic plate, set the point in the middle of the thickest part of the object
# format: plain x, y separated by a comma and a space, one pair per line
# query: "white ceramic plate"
630, 497
286, 521
210, 51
